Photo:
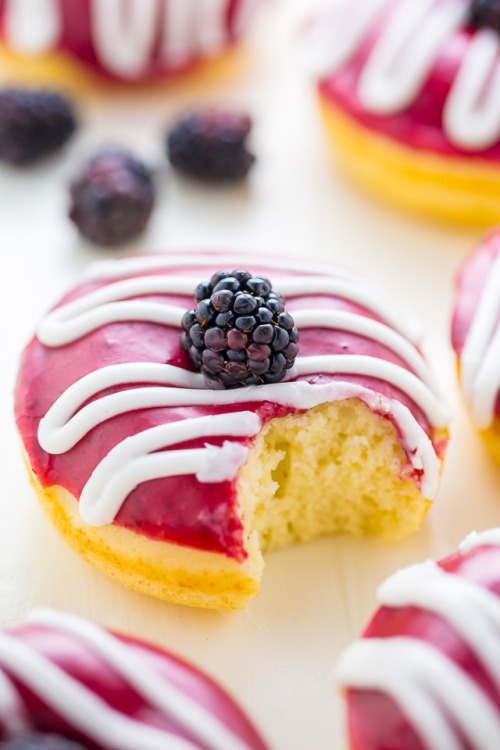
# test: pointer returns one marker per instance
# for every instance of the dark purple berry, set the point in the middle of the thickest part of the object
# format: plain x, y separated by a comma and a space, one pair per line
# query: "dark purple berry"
485, 13
222, 300
280, 339
263, 334
237, 339
239, 333
216, 339
205, 313
263, 315
33, 123
210, 144
258, 367
278, 363
259, 352
245, 323
112, 198
241, 275
225, 320
202, 291
197, 335
244, 304
36, 741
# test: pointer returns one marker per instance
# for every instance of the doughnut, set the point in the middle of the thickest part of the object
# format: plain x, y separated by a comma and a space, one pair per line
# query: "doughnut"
426, 673
128, 40
476, 338
63, 675
409, 92
176, 488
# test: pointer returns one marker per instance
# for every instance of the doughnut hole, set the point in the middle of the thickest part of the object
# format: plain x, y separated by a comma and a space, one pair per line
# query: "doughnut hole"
337, 468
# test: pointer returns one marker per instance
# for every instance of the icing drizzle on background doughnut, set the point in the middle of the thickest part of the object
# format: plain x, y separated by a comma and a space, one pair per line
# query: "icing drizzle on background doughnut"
124, 32
434, 693
404, 53
88, 713
138, 458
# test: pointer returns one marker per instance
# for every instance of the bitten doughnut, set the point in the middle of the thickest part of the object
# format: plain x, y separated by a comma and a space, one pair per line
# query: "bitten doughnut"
426, 673
174, 485
476, 337
130, 40
410, 93
63, 675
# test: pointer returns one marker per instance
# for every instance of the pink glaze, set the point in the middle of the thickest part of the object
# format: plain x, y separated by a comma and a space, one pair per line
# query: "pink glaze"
76, 39
470, 281
420, 125
177, 509
81, 662
374, 720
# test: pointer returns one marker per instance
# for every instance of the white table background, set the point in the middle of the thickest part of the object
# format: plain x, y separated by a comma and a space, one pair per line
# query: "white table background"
277, 656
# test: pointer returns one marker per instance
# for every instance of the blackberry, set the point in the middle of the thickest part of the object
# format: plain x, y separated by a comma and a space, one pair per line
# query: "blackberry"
112, 198
33, 123
210, 144
485, 13
239, 333
35, 741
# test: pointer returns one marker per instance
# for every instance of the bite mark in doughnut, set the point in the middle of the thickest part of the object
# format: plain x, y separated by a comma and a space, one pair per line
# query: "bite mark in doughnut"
179, 486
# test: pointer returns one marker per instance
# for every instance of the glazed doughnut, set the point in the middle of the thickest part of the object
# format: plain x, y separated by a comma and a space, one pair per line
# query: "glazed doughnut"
475, 337
62, 674
410, 92
351, 440
129, 40
426, 673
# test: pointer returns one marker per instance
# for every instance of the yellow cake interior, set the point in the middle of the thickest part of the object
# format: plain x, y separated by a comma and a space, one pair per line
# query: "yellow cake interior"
336, 468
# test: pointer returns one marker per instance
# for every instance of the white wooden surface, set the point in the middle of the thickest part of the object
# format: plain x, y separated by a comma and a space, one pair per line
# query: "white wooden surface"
277, 656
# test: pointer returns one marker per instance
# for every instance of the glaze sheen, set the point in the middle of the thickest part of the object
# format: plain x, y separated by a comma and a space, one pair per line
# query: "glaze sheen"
108, 407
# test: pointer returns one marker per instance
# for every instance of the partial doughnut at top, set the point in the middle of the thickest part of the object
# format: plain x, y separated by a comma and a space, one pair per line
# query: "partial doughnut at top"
175, 487
410, 92
132, 40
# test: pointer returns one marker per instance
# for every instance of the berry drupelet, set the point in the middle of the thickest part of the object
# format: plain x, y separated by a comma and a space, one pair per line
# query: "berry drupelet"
210, 144
34, 741
33, 123
112, 198
485, 13
239, 334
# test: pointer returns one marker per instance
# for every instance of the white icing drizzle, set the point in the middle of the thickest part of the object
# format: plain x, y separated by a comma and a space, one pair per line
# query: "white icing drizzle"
124, 32
90, 714
480, 355
417, 676
490, 537
32, 26
422, 681
133, 461
403, 57
105, 305
137, 460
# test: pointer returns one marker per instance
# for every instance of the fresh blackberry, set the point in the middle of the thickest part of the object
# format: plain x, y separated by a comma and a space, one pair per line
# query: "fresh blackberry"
485, 13
239, 333
33, 123
112, 198
35, 741
210, 144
